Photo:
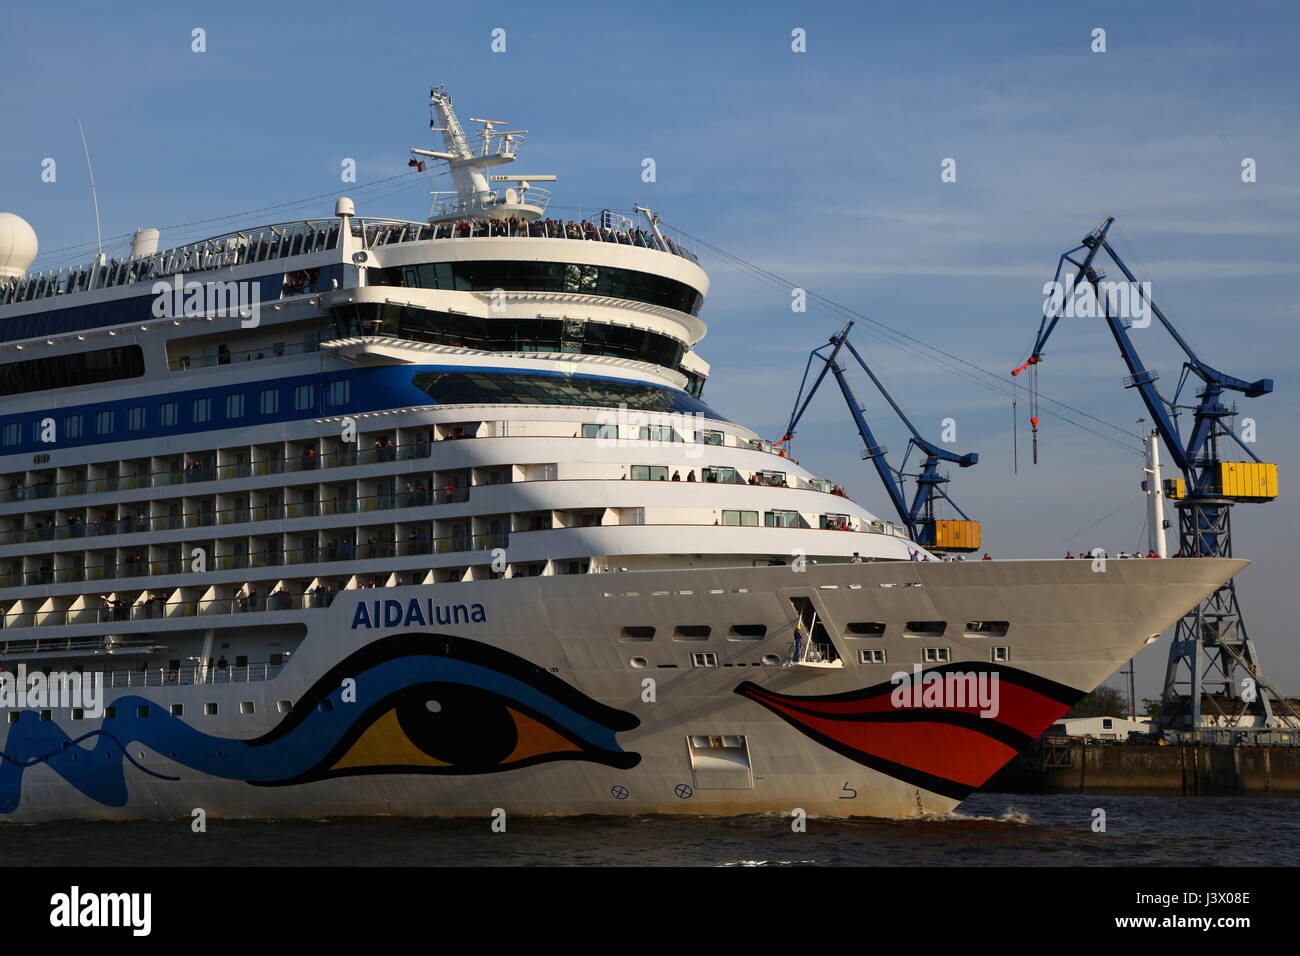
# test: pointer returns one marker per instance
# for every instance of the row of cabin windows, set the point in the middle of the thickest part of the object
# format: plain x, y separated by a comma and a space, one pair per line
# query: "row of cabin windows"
693, 632
702, 632
137, 418
928, 629
705, 436
931, 655
711, 474
780, 519
210, 709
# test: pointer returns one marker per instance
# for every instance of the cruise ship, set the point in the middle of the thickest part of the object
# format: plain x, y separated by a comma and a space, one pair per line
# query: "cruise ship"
358, 516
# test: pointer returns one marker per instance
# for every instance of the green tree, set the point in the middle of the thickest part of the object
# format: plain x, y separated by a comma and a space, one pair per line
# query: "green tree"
1152, 708
1102, 702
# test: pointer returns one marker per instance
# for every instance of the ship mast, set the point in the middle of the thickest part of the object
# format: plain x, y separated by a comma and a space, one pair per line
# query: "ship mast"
474, 197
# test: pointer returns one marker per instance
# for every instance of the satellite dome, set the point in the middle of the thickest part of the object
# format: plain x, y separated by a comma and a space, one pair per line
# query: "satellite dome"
17, 246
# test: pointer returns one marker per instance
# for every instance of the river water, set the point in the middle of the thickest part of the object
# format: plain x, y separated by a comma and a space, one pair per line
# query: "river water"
989, 830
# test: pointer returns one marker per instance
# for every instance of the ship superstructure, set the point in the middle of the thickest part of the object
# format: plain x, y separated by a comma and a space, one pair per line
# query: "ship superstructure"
362, 515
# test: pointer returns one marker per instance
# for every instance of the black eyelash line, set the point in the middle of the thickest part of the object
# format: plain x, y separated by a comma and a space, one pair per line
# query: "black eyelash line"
456, 648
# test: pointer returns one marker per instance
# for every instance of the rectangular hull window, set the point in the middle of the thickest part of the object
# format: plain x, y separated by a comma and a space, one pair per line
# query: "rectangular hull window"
925, 628
865, 629
987, 628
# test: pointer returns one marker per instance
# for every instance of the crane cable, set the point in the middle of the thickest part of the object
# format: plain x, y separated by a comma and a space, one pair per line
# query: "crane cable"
1079, 533
898, 339
903, 341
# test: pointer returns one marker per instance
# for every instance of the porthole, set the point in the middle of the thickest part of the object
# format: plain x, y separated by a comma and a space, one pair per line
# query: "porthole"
639, 663
771, 660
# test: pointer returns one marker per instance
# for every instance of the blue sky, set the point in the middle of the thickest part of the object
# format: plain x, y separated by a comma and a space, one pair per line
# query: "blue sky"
822, 167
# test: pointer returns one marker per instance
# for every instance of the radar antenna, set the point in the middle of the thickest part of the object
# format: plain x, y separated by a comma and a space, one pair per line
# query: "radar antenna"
474, 196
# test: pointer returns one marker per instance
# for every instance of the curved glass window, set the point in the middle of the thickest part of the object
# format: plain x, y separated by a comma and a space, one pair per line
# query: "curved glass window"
139, 308
509, 334
63, 371
494, 388
515, 275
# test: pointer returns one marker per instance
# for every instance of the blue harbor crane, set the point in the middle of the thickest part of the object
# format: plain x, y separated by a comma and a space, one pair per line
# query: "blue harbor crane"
918, 517
1211, 654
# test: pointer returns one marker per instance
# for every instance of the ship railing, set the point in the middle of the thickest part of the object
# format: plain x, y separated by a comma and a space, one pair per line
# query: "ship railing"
263, 244
121, 611
385, 501
282, 240
204, 470
472, 228
196, 472
271, 556
192, 674
339, 550
279, 350
802, 652
52, 645
447, 204
157, 610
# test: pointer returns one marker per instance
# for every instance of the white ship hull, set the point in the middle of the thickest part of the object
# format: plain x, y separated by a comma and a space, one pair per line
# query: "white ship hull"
513, 560
707, 740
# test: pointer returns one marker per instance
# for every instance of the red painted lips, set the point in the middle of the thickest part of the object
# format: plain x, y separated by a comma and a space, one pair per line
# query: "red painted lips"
936, 739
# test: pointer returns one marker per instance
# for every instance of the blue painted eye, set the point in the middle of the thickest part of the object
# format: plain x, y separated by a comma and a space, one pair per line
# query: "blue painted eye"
444, 705
414, 703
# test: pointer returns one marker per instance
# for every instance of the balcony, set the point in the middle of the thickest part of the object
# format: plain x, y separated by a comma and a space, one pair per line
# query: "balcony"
231, 516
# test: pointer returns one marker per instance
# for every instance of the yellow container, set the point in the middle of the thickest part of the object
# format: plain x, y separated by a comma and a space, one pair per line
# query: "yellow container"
1248, 480
956, 535
1175, 488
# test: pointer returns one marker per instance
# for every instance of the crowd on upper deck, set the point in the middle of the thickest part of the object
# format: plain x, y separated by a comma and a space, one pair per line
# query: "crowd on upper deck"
517, 227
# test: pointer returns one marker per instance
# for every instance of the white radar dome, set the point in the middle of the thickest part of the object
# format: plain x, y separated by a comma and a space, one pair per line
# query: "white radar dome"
17, 246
